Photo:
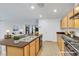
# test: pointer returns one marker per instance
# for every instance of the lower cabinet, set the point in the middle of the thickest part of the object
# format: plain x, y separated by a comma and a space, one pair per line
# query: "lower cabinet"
37, 46
62, 46
15, 51
60, 43
26, 50
32, 48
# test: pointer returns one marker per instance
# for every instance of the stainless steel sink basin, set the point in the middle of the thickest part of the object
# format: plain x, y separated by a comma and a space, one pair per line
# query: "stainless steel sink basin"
28, 38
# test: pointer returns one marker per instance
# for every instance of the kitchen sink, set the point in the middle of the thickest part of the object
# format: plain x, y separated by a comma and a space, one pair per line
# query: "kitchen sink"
28, 38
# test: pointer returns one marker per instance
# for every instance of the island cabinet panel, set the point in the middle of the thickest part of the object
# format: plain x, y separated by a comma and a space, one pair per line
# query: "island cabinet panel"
26, 50
14, 51
32, 48
37, 46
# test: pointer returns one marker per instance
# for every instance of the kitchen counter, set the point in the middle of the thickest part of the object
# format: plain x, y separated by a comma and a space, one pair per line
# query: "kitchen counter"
10, 42
66, 41
27, 46
23, 41
72, 41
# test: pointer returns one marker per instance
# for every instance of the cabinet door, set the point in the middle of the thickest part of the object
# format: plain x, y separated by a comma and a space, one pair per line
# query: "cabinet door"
58, 40
76, 23
37, 45
26, 50
71, 22
64, 22
60, 44
76, 20
32, 48
14, 51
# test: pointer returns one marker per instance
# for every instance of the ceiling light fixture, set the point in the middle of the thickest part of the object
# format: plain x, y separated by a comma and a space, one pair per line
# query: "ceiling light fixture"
55, 10
40, 16
32, 7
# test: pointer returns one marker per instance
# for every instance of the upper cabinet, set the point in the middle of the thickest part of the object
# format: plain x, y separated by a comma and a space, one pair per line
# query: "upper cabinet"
66, 22
76, 10
63, 23
76, 23
70, 21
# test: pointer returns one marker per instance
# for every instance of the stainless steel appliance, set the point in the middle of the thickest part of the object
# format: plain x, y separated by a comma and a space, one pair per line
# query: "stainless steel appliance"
71, 46
70, 50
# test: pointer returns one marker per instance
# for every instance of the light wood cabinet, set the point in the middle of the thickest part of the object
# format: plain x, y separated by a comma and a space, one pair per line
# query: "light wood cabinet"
76, 23
14, 51
64, 22
62, 46
26, 50
37, 45
75, 19
32, 48
60, 43
71, 22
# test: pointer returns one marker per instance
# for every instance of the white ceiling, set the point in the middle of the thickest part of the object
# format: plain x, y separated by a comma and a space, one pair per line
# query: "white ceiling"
22, 11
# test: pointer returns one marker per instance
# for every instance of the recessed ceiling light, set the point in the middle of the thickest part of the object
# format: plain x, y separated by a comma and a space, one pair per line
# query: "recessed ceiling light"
40, 16
32, 7
55, 10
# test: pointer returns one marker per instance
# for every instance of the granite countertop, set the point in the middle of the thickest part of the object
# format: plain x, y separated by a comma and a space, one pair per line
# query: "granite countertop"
75, 38
10, 42
22, 43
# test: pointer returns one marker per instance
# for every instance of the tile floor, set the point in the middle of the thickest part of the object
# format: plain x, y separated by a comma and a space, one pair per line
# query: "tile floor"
49, 49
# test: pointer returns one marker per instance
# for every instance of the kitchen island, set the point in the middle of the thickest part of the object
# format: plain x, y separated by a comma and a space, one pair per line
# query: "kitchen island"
28, 46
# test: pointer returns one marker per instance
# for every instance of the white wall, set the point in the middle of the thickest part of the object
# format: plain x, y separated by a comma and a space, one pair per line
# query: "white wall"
49, 27
2, 29
20, 24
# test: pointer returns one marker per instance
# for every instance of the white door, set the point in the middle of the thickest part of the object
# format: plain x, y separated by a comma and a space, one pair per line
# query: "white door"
46, 30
